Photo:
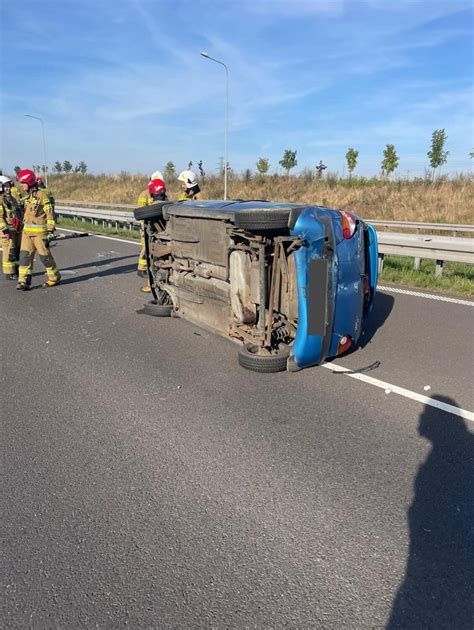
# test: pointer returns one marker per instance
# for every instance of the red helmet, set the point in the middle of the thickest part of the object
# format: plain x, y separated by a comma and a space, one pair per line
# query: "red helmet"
26, 177
156, 187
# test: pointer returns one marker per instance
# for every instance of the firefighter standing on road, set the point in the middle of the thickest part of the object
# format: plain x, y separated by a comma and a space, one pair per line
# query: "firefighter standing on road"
189, 186
10, 228
155, 191
38, 230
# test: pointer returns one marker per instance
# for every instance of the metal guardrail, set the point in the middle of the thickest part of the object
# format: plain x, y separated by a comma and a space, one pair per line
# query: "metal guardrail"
100, 204
441, 227
418, 246
108, 218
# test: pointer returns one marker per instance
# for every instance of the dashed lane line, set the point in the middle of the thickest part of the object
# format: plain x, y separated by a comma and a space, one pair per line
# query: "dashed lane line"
428, 296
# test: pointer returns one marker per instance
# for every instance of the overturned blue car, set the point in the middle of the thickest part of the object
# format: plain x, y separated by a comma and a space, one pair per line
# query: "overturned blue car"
292, 283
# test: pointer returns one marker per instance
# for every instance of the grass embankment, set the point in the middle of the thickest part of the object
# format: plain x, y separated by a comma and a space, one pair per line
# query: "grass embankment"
443, 201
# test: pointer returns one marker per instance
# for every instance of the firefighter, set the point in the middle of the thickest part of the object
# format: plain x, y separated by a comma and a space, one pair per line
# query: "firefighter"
189, 186
155, 191
10, 228
38, 230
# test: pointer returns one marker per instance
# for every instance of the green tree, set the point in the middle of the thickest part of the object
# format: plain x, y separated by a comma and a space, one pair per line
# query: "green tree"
82, 167
289, 160
58, 167
390, 160
17, 169
170, 171
438, 156
263, 164
351, 159
67, 166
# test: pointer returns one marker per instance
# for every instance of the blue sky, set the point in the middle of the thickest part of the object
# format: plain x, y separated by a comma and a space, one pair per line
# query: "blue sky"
121, 85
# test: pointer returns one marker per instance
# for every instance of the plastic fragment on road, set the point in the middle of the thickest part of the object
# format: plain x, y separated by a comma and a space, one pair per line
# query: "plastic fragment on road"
388, 390
427, 388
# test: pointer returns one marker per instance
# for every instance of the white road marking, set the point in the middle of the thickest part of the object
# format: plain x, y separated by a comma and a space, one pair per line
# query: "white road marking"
429, 296
401, 391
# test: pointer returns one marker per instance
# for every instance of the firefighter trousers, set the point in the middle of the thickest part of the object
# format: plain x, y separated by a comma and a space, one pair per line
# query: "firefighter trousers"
11, 253
31, 243
142, 255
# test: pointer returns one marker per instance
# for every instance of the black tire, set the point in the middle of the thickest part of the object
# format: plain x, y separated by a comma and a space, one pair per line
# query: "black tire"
257, 220
153, 211
157, 310
251, 360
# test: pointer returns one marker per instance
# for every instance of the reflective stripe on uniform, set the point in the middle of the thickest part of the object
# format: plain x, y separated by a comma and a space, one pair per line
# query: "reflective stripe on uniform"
34, 229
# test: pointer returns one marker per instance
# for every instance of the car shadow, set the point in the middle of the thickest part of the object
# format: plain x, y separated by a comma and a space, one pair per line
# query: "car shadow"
379, 314
114, 271
437, 590
94, 263
100, 263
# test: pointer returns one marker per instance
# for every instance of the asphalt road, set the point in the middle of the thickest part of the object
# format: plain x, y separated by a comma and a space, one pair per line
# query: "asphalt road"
149, 481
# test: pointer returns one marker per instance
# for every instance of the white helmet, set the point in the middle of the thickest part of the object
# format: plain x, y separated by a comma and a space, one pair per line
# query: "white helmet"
5, 180
188, 177
157, 175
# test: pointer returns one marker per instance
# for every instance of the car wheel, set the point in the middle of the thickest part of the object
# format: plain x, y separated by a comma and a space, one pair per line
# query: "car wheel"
251, 358
157, 310
153, 211
262, 219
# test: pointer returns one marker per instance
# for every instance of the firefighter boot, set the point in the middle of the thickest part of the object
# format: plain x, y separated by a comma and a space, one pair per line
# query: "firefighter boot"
53, 278
24, 285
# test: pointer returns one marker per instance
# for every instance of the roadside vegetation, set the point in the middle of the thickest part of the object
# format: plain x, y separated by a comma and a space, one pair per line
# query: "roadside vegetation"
457, 278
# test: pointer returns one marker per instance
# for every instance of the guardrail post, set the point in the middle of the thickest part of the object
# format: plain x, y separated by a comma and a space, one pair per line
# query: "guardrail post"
417, 264
439, 268
380, 263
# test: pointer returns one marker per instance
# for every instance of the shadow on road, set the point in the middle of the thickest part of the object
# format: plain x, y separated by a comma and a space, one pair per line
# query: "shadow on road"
113, 271
93, 263
383, 306
437, 590
100, 263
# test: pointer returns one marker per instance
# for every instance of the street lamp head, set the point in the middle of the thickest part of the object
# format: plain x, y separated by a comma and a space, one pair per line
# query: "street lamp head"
204, 54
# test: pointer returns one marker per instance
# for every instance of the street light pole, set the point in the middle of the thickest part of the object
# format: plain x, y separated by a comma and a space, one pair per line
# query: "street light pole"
44, 146
204, 54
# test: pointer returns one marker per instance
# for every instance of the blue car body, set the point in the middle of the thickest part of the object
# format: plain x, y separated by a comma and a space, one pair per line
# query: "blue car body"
346, 304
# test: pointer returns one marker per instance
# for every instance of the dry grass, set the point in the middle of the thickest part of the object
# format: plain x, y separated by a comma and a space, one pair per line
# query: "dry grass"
444, 201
